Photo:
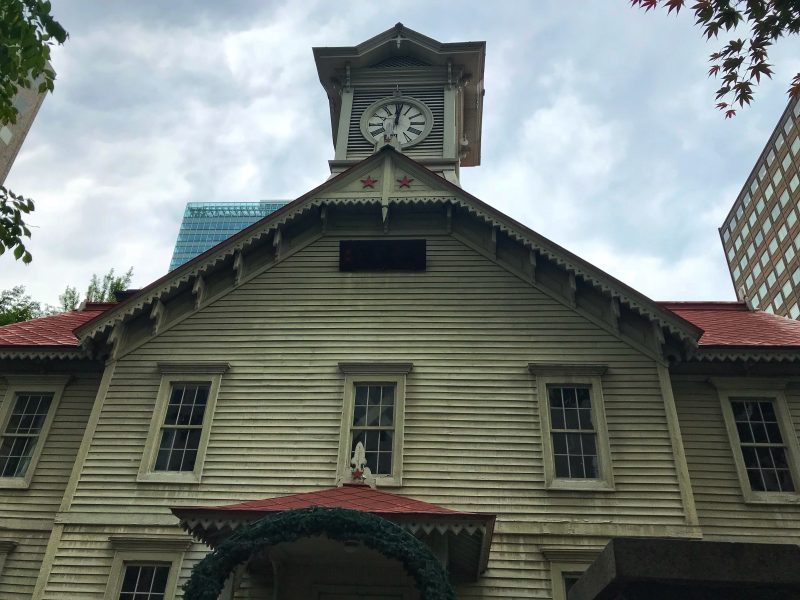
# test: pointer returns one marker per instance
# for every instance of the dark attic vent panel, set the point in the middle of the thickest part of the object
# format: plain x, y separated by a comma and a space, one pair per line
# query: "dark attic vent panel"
382, 255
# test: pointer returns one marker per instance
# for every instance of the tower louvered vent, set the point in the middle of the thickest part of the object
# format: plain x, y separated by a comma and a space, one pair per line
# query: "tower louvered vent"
399, 62
359, 147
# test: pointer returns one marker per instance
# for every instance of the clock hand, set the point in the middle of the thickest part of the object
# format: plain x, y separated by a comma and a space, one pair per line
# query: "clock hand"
397, 108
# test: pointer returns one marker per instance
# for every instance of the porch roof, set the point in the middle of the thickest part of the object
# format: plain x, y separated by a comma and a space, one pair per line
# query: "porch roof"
468, 534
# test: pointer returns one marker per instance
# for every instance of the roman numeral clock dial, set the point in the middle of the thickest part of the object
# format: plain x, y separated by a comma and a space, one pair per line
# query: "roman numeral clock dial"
400, 120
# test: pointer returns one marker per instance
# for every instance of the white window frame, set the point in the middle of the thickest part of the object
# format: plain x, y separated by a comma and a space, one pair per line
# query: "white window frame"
565, 560
20, 385
733, 388
590, 375
373, 373
557, 572
136, 549
176, 373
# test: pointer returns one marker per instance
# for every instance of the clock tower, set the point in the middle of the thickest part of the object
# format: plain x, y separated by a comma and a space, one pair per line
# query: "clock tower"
401, 88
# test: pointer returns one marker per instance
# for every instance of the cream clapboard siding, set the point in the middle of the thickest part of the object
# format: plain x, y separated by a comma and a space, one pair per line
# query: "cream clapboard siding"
472, 439
85, 557
517, 569
22, 565
27, 514
721, 509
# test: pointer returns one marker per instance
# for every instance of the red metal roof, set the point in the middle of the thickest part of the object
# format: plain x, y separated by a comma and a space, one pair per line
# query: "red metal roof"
733, 324
351, 496
55, 331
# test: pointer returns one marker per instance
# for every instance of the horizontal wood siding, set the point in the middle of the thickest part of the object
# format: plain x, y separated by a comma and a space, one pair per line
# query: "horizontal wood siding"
721, 508
23, 563
472, 432
82, 564
517, 566
472, 437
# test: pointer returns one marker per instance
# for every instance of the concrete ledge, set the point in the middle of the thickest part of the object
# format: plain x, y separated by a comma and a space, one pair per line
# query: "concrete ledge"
652, 569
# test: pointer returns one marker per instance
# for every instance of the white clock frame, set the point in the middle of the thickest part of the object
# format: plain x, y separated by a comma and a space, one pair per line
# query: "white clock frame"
370, 111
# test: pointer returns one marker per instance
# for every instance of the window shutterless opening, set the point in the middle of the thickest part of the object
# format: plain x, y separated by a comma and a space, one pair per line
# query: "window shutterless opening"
382, 255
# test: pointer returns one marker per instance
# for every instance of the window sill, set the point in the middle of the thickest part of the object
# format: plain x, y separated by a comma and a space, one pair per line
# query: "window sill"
771, 498
14, 483
586, 485
169, 477
380, 482
389, 482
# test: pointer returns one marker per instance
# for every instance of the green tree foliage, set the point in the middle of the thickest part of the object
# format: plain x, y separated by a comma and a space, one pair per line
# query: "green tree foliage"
99, 290
16, 306
103, 290
69, 300
27, 30
740, 63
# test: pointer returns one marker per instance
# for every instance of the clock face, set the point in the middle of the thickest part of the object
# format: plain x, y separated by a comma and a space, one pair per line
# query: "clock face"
401, 119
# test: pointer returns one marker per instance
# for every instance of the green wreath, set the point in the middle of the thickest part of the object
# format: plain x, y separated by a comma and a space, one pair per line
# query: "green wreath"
209, 575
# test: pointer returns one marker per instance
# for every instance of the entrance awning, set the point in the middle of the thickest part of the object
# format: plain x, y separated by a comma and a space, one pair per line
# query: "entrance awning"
460, 540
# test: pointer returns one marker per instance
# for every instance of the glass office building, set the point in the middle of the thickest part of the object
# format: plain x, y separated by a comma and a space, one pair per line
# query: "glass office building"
761, 234
206, 224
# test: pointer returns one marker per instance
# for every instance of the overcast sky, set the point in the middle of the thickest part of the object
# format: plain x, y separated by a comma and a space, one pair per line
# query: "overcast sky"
599, 129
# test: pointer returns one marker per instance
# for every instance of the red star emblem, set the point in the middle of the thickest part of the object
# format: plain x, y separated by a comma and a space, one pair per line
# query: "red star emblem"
369, 182
405, 182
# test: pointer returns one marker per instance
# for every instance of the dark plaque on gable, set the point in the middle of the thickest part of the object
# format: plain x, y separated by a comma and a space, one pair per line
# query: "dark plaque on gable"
382, 255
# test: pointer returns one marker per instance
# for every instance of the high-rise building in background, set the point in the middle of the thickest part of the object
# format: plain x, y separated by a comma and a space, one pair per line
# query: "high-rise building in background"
27, 101
761, 234
206, 224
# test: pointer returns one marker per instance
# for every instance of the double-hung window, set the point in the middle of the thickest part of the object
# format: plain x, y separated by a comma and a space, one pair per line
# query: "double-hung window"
25, 419
182, 427
372, 421
763, 441
373, 424
181, 422
572, 431
574, 435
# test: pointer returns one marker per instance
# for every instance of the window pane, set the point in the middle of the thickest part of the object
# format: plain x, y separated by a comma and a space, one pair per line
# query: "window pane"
361, 395
562, 466
571, 417
373, 415
359, 415
15, 455
374, 395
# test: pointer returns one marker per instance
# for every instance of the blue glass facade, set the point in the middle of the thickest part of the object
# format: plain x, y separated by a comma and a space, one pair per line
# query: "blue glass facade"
206, 224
